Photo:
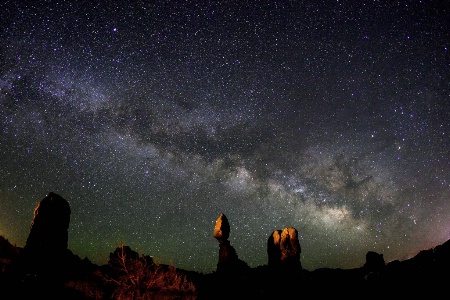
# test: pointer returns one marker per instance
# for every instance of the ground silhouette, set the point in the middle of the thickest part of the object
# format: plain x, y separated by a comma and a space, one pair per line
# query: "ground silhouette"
46, 268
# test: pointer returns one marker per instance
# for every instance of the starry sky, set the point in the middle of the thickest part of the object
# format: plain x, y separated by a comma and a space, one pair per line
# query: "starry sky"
153, 117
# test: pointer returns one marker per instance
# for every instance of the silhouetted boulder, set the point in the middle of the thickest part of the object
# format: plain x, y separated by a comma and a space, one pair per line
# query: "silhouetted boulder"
49, 228
374, 262
374, 266
45, 260
283, 248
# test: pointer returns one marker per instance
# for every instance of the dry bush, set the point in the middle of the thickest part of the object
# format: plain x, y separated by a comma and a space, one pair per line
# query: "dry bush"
140, 278
87, 289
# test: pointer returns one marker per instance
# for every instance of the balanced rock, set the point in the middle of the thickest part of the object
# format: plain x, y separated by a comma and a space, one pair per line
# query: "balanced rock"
222, 228
229, 261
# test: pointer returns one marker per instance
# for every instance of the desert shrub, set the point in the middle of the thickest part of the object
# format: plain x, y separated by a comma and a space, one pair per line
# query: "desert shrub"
138, 277
86, 289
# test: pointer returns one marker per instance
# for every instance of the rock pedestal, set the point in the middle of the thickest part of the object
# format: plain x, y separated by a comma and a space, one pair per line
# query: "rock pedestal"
229, 261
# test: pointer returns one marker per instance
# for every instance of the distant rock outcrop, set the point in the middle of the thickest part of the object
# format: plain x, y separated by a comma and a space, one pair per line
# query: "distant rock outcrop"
49, 228
283, 249
374, 262
45, 259
374, 266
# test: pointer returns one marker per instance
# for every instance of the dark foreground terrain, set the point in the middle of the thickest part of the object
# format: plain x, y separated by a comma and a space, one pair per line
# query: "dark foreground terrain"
130, 276
46, 269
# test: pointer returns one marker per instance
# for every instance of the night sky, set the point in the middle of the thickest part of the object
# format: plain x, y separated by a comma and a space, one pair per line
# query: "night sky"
153, 117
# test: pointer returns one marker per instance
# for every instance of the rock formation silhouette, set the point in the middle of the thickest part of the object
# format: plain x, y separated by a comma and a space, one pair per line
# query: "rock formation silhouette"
231, 272
45, 265
49, 228
45, 257
374, 266
283, 249
283, 269
228, 258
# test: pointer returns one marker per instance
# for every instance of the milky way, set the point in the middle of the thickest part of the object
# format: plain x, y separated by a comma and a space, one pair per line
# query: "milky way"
154, 117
